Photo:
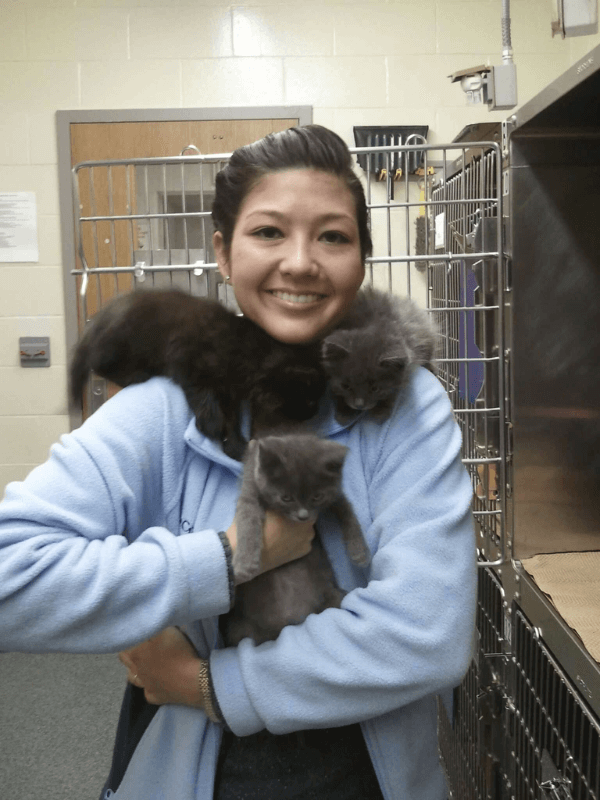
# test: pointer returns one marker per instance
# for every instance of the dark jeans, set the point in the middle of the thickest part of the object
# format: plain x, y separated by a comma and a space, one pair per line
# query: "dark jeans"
330, 764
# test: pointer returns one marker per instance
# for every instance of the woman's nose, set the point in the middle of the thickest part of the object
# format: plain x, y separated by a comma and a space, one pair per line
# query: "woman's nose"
299, 258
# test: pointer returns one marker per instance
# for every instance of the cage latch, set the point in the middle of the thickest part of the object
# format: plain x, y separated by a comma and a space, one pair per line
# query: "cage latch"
553, 785
556, 789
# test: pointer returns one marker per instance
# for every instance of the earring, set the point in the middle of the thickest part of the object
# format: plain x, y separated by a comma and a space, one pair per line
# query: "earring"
227, 278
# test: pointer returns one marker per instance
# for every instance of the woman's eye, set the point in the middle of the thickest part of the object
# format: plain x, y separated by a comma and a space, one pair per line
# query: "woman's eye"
268, 233
334, 237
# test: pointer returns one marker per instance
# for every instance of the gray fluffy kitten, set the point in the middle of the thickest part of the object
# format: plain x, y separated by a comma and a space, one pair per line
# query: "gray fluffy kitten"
298, 475
369, 356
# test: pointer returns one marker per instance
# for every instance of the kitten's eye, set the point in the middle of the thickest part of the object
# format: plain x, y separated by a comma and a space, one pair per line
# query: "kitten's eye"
344, 385
269, 232
286, 498
317, 497
334, 237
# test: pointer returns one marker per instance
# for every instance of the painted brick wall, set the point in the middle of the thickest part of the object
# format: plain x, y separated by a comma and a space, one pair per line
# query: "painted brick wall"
358, 63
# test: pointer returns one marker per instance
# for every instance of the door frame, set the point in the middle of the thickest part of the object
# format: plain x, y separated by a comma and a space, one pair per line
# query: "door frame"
64, 120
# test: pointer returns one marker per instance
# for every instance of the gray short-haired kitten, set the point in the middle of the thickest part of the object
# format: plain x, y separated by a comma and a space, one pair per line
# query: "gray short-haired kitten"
369, 356
298, 475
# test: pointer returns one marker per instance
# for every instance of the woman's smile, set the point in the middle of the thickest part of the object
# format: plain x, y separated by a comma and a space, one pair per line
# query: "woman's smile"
291, 297
295, 260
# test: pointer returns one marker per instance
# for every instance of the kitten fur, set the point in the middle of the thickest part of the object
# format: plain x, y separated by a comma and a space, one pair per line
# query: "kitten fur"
369, 356
218, 358
298, 475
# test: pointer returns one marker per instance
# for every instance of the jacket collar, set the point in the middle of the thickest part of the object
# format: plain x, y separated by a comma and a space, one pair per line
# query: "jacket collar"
323, 424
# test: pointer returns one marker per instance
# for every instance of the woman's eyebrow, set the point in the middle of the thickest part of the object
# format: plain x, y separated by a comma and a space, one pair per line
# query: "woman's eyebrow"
329, 217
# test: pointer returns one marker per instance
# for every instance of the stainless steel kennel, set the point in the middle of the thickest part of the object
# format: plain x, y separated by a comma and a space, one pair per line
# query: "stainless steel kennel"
525, 722
471, 231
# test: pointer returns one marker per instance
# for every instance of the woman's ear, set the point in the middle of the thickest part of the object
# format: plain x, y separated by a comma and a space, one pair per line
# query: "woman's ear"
221, 254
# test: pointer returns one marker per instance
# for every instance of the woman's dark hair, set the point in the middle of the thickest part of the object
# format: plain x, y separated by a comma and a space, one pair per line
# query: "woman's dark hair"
307, 147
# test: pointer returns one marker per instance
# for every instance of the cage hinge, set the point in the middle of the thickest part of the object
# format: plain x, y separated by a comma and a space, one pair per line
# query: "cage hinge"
507, 128
507, 267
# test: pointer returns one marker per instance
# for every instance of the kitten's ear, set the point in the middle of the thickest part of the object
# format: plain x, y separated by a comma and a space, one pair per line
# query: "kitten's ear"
267, 459
333, 351
396, 363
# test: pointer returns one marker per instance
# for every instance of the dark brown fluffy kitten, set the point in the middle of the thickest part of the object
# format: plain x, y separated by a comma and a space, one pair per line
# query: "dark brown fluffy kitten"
218, 358
370, 355
298, 475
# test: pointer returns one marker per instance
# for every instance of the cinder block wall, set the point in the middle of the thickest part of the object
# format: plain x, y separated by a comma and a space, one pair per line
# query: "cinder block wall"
361, 63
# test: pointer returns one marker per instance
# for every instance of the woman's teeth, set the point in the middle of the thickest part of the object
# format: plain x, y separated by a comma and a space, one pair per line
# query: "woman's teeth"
297, 298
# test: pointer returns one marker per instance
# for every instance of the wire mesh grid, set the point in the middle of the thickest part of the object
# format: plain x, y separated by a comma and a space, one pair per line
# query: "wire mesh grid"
472, 358
443, 245
469, 743
555, 737
437, 237
144, 222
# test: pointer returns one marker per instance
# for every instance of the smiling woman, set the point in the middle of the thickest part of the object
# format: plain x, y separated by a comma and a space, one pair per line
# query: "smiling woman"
125, 537
295, 257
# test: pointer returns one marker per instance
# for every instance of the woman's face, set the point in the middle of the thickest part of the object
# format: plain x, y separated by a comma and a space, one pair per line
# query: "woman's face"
294, 260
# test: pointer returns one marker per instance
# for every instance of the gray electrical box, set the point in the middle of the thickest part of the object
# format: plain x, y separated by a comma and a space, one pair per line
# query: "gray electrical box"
34, 351
576, 18
502, 87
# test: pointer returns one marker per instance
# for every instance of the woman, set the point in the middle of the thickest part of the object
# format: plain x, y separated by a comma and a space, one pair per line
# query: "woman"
115, 541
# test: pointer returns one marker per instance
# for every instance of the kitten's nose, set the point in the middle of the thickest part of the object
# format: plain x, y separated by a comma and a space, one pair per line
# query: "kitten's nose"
302, 514
358, 403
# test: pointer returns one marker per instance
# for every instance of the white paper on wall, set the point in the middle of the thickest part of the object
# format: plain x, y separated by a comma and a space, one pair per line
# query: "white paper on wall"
18, 227
440, 230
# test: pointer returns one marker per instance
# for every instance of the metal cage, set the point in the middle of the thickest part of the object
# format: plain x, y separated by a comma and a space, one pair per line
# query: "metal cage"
525, 721
472, 734
438, 237
555, 736
142, 222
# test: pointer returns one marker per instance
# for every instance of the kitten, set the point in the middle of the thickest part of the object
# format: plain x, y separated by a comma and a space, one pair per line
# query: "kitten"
369, 356
298, 475
218, 358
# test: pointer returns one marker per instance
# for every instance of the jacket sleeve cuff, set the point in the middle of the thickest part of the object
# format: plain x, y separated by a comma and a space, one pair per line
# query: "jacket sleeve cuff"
229, 691
229, 557
209, 574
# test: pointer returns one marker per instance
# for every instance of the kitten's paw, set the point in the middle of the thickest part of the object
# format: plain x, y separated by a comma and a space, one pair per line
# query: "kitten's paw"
344, 414
210, 419
243, 571
359, 553
381, 412
234, 447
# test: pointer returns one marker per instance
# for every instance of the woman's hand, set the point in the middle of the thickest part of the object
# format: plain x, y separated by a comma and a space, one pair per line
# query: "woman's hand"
166, 667
283, 540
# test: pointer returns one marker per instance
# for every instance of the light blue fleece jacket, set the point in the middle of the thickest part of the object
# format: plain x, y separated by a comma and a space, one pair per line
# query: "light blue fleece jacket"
115, 538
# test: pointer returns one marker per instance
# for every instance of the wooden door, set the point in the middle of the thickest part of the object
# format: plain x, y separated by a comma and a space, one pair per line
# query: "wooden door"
113, 192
